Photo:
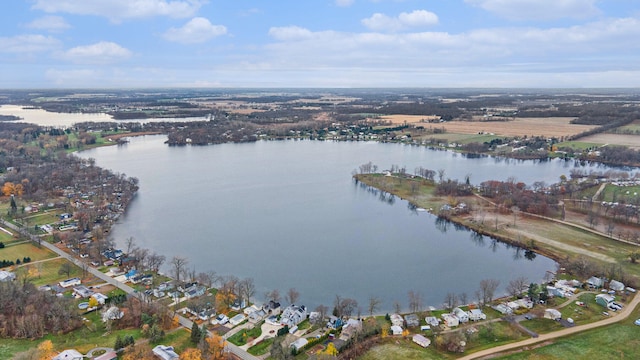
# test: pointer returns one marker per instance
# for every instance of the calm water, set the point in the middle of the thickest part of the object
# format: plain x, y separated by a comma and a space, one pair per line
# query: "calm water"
289, 215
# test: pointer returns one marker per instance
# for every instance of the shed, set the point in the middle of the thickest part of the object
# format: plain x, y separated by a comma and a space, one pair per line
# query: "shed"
7, 276
299, 344
604, 299
70, 354
421, 340
595, 282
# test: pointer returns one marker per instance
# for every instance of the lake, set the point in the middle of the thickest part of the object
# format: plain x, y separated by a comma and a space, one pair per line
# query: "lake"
288, 214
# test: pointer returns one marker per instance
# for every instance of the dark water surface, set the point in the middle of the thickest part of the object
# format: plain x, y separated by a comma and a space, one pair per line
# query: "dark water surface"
288, 214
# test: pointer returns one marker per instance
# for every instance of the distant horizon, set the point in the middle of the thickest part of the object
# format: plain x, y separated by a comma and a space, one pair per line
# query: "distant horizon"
143, 44
158, 88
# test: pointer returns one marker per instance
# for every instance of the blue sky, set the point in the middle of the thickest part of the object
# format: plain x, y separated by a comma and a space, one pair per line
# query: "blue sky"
319, 43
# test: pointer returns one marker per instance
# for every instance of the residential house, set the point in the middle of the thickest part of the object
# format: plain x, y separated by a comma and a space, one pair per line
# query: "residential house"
604, 299
257, 316
334, 322
396, 330
552, 314
476, 315
412, 320
432, 321
82, 291
396, 320
462, 315
616, 285
112, 313
503, 309
70, 282
236, 320
109, 355
421, 340
293, 315
194, 291
249, 309
450, 320
299, 344
238, 305
70, 354
6, 276
272, 307
350, 328
595, 282
165, 352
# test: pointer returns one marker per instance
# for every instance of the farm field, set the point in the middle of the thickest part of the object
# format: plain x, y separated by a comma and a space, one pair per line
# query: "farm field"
550, 127
632, 141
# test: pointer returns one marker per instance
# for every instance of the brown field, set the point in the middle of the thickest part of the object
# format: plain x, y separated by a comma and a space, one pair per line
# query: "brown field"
632, 141
549, 127
410, 119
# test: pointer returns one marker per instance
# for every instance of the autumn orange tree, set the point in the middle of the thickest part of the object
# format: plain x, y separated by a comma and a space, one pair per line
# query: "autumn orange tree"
10, 188
191, 354
139, 351
45, 350
212, 347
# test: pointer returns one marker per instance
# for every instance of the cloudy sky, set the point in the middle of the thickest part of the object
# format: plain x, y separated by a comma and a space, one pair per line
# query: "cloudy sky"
319, 43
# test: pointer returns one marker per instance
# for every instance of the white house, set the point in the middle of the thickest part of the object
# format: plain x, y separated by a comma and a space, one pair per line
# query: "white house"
450, 320
70, 354
100, 298
595, 282
476, 315
432, 321
396, 320
552, 314
421, 340
236, 320
293, 315
70, 282
396, 330
462, 315
165, 352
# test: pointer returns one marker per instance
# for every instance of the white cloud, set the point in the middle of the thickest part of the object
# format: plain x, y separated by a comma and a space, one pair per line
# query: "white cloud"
290, 33
344, 3
103, 52
117, 10
28, 44
539, 9
197, 30
74, 77
49, 23
417, 18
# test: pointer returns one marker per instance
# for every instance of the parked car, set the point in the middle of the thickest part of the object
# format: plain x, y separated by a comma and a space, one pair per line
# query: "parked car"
528, 317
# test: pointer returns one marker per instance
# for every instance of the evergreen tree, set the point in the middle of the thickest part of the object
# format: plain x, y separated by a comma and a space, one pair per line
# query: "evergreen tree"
118, 345
195, 333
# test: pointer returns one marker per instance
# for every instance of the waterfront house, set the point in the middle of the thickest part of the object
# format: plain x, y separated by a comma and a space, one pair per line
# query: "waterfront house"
450, 320
238, 304
396, 320
293, 315
503, 309
350, 328
462, 315
257, 316
412, 320
272, 307
476, 315
334, 322
421, 340
432, 321
194, 291
236, 320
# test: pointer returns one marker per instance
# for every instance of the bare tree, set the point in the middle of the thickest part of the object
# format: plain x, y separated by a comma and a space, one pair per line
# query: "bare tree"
450, 301
292, 296
205, 279
273, 295
154, 261
397, 307
487, 289
247, 289
130, 244
415, 301
178, 265
464, 299
441, 173
322, 311
374, 304
65, 269
517, 286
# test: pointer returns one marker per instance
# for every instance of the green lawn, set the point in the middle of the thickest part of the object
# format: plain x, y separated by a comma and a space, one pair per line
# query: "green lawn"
49, 272
617, 341
400, 348
242, 337
577, 145
43, 218
180, 339
262, 348
619, 193
20, 251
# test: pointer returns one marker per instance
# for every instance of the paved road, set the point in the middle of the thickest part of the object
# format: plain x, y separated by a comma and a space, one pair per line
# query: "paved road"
126, 288
621, 315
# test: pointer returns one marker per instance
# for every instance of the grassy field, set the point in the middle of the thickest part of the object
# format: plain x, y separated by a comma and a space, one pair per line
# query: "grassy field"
43, 218
629, 193
19, 251
460, 138
578, 145
49, 272
243, 336
262, 348
180, 339
7, 238
399, 348
618, 341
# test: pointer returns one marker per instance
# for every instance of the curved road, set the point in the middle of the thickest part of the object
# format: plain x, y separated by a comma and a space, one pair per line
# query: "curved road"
239, 353
621, 315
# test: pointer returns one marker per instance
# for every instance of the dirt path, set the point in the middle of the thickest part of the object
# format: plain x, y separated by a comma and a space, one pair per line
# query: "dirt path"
621, 315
